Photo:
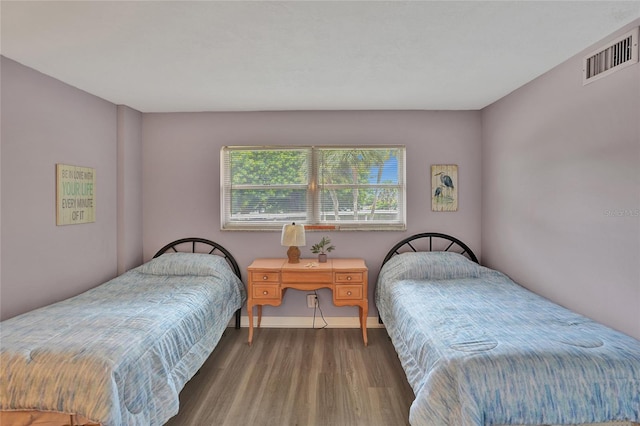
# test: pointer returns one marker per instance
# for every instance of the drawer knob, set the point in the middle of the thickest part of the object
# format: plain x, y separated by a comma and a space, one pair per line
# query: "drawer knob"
348, 293
265, 292
349, 278
265, 277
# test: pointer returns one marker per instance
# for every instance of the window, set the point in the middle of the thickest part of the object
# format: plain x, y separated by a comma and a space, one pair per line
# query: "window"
346, 187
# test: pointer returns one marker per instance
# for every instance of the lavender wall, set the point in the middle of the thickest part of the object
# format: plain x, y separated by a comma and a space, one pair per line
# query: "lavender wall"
129, 188
561, 198
558, 190
181, 179
45, 122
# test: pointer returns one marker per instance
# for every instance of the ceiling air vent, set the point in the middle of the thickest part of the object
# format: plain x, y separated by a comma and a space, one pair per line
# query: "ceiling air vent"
612, 57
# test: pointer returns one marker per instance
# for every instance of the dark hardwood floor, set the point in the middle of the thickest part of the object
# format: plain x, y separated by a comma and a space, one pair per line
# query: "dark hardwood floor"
298, 377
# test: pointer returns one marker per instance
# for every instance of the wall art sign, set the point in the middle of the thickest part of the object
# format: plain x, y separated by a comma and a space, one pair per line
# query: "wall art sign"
444, 188
75, 194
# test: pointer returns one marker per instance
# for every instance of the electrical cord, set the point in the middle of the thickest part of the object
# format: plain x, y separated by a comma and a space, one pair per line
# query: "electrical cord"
317, 307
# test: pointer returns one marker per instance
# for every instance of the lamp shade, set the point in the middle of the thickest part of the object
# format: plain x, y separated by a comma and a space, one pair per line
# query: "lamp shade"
293, 235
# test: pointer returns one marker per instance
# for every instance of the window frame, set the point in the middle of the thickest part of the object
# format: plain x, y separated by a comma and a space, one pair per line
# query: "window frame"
313, 192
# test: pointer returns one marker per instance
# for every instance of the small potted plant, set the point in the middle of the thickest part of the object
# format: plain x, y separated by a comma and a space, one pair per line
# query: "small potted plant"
322, 248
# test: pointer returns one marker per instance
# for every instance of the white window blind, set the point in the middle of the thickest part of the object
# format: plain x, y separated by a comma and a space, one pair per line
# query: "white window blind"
346, 187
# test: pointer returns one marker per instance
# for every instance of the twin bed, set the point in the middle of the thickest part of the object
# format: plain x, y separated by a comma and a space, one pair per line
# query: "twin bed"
478, 349
120, 353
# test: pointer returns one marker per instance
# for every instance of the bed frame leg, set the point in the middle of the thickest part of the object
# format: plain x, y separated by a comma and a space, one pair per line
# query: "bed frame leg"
237, 319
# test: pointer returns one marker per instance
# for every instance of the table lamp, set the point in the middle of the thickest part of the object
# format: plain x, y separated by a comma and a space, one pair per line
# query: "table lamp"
293, 236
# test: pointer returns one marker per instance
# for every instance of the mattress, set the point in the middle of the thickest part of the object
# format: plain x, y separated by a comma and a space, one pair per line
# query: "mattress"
478, 349
120, 353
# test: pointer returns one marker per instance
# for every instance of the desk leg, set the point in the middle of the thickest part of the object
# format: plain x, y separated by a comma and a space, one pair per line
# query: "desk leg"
250, 314
364, 311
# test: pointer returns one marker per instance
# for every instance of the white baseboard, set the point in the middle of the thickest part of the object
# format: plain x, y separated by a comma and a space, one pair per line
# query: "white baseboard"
307, 322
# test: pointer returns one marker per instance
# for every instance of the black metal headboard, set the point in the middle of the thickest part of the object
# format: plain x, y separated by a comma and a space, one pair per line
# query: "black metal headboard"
202, 245
436, 242
210, 247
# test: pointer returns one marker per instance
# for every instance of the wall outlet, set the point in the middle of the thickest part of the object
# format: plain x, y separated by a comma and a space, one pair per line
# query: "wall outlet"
312, 301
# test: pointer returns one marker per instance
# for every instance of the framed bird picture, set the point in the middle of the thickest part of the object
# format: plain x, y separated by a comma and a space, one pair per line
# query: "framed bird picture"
444, 188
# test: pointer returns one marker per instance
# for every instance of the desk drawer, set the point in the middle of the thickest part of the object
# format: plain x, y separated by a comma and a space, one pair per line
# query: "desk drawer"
348, 292
311, 277
266, 291
266, 277
349, 277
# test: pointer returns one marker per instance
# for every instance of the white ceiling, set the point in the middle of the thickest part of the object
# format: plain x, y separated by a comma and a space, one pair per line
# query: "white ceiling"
158, 56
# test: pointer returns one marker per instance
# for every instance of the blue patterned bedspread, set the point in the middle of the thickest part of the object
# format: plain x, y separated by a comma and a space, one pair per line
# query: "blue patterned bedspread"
120, 353
479, 349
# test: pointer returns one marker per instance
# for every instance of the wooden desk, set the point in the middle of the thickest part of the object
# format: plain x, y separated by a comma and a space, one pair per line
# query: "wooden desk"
269, 279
